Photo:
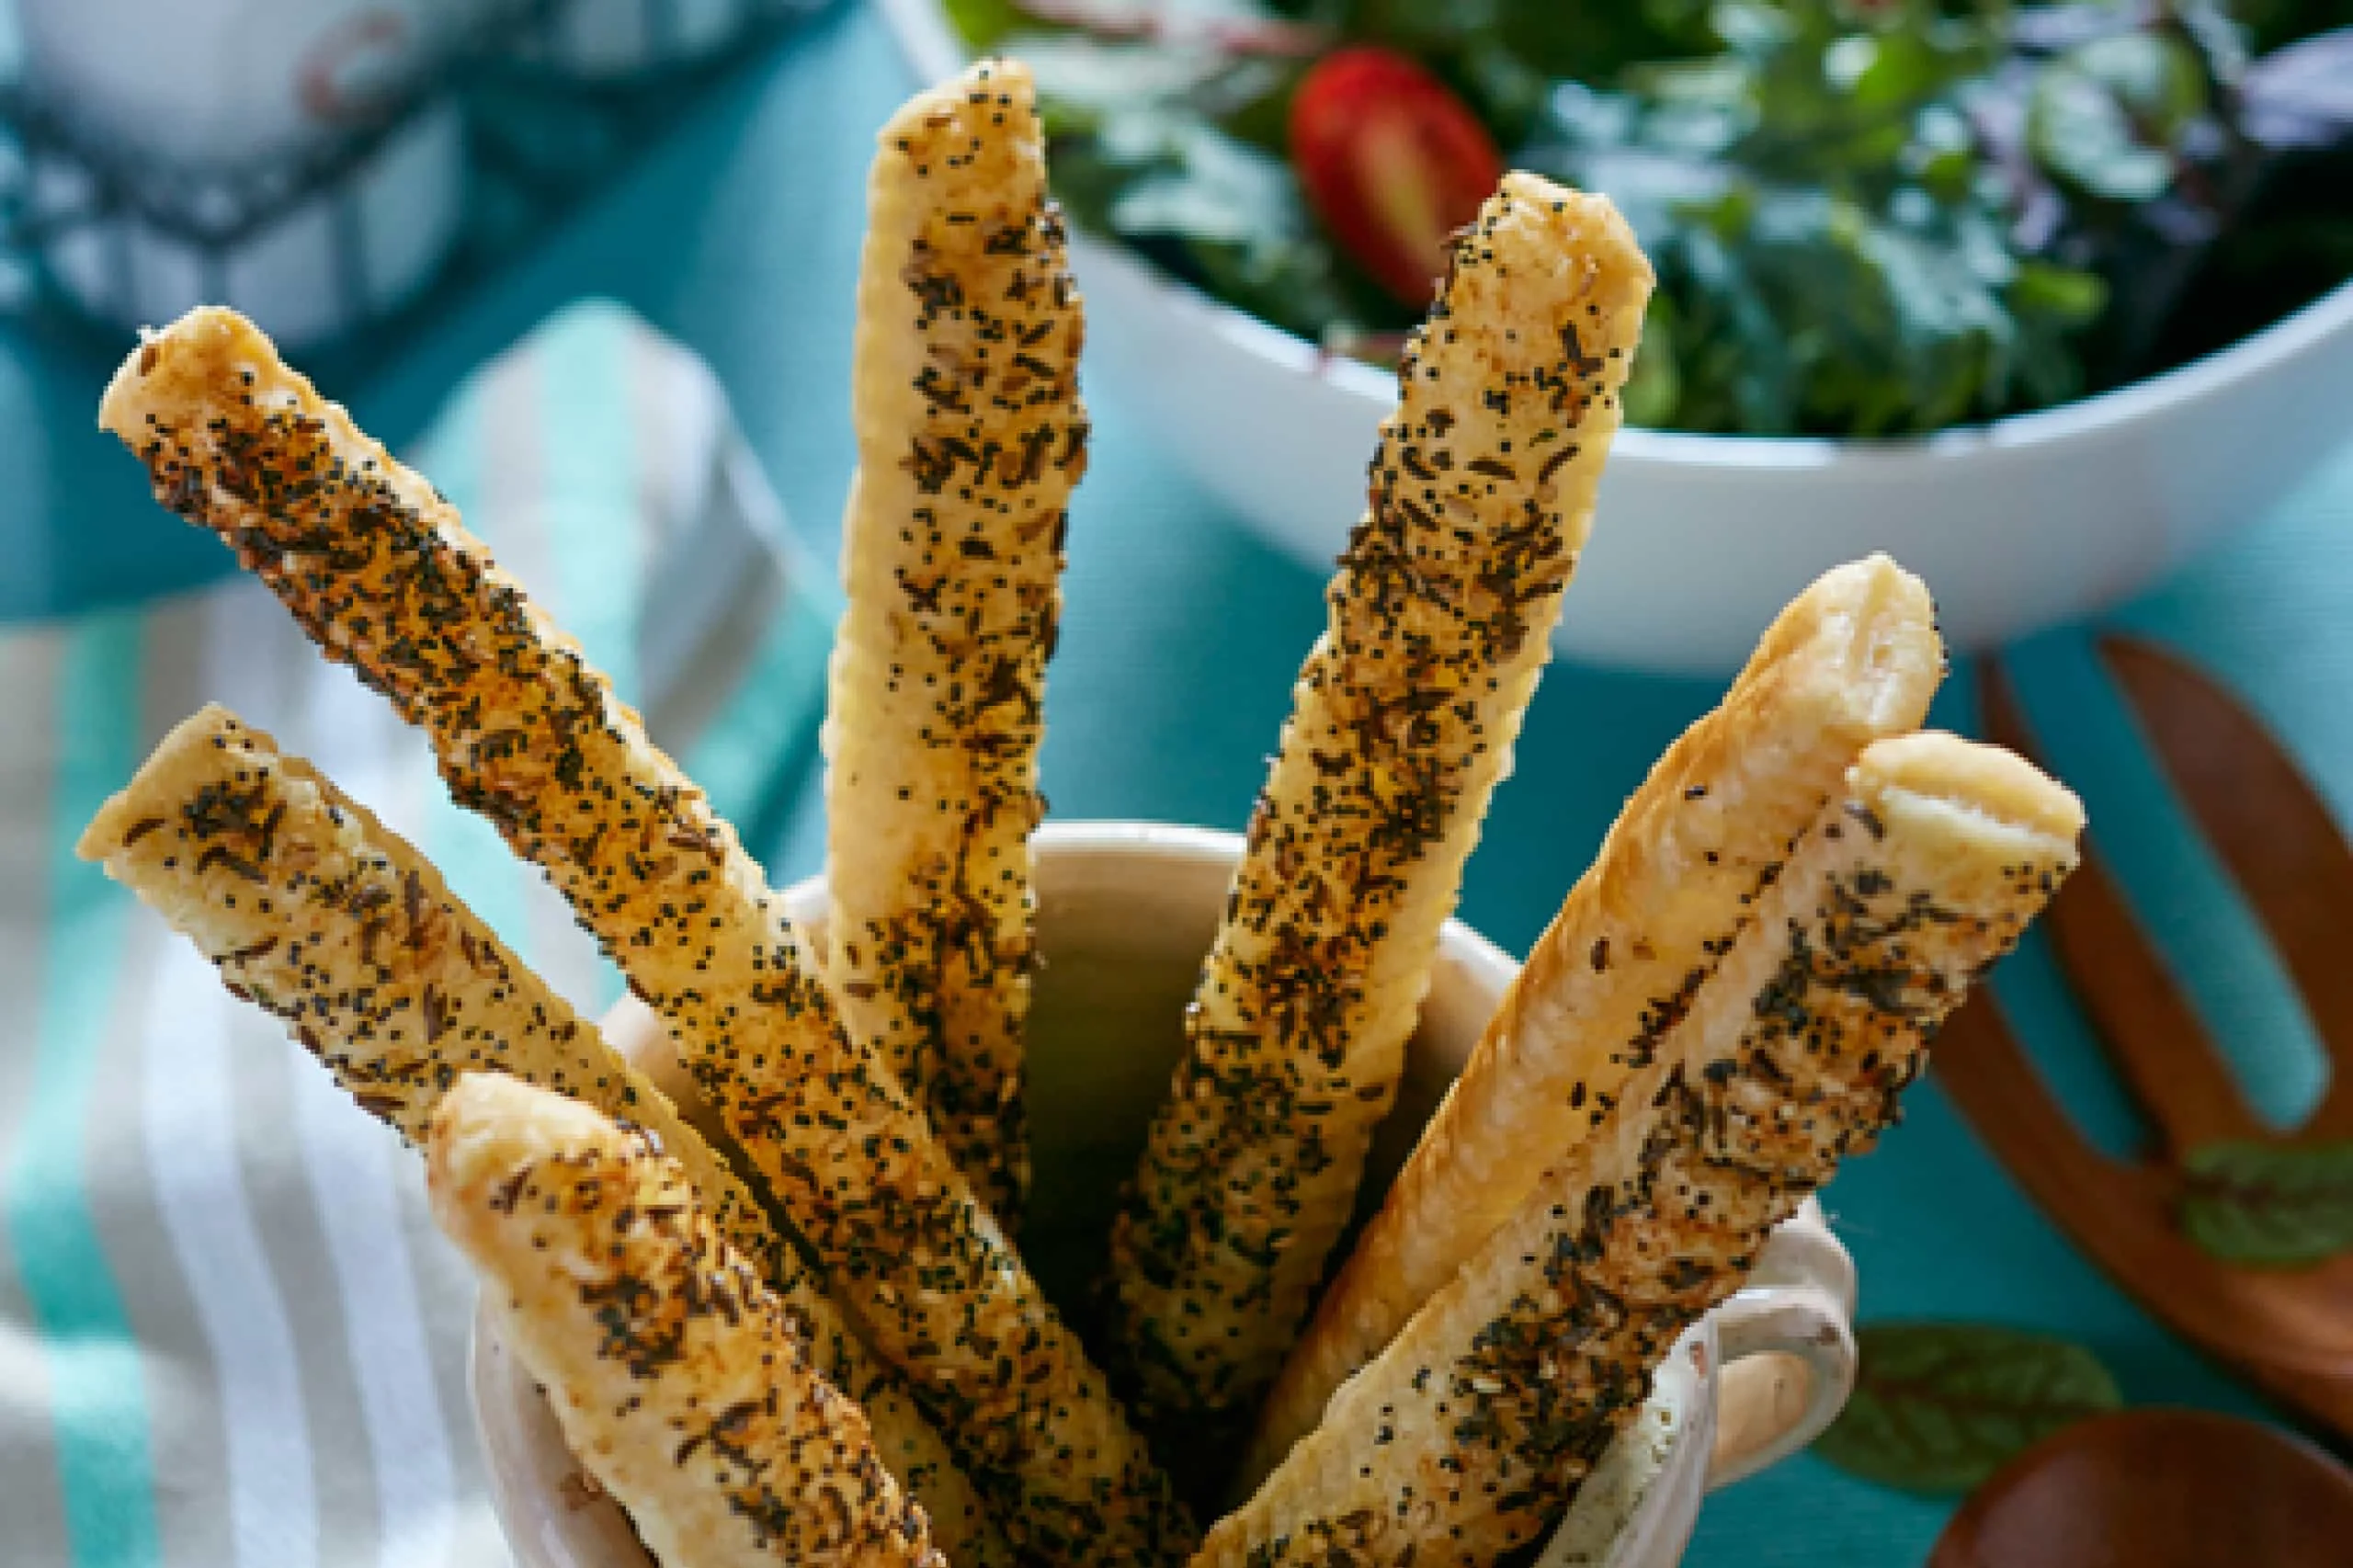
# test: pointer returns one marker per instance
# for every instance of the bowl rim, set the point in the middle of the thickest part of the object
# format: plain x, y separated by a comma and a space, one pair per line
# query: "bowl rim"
931, 46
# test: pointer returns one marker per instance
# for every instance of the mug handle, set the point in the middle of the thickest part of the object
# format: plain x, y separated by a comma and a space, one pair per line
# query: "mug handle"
1787, 1343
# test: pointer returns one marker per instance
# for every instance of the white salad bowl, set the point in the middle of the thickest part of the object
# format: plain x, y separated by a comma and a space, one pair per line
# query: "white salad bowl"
1125, 912
1701, 539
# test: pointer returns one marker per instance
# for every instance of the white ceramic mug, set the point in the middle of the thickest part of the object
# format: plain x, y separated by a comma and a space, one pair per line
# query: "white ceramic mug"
1125, 911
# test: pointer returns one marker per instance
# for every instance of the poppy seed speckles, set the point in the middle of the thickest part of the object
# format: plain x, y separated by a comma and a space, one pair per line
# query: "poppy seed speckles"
531, 737
1509, 1383
1402, 720
1854, 658
971, 436
686, 1386
399, 989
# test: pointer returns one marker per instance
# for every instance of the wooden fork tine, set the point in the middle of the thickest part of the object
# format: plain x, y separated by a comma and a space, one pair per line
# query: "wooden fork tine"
2151, 1035
2002, 1095
2153, 1038
2268, 824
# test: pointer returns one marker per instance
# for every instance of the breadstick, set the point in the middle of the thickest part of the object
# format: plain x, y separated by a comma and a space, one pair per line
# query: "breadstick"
1464, 1437
380, 571
1854, 658
1403, 721
316, 913
941, 1292
969, 437
681, 1380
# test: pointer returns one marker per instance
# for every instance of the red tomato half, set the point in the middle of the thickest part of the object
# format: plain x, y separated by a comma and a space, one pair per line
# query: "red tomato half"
1391, 162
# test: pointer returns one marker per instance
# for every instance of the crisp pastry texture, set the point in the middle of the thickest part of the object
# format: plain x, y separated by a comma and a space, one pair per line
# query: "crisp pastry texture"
1402, 722
315, 912
939, 1288
970, 437
1467, 1435
1854, 658
379, 570
681, 1382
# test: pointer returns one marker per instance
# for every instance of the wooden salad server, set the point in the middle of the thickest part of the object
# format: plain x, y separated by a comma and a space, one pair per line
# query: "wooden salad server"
2158, 1489
2289, 1330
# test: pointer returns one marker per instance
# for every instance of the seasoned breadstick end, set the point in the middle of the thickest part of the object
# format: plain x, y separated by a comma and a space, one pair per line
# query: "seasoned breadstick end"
939, 1289
1509, 1383
318, 913
681, 1380
1403, 721
970, 437
315, 912
379, 570
1855, 658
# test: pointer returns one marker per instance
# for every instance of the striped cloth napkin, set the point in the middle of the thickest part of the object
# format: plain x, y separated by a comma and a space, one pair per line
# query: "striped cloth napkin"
229, 1331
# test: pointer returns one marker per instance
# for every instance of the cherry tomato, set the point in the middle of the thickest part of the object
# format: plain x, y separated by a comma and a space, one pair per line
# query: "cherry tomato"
1391, 162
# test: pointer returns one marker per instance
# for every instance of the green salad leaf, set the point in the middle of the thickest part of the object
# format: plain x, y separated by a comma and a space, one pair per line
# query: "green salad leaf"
2105, 115
1139, 150
1836, 258
1869, 216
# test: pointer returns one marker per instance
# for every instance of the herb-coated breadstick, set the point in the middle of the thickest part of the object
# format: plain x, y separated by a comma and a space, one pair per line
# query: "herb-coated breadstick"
1465, 1436
380, 571
939, 1289
681, 1380
316, 913
1853, 659
1403, 721
969, 437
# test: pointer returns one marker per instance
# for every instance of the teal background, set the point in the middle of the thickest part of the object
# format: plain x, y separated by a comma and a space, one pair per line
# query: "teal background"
738, 234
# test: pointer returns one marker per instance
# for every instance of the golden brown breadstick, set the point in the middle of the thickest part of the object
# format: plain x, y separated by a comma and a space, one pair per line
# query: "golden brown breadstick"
681, 1380
315, 912
1403, 721
1854, 658
379, 570
940, 1289
970, 437
1467, 1434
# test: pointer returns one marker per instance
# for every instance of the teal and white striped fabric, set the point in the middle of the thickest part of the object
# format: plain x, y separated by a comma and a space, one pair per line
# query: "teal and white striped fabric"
229, 1335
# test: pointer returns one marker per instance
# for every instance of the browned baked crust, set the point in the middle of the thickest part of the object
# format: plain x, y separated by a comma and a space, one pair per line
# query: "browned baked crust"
379, 570
315, 912
681, 1380
969, 437
1403, 721
1468, 1433
1854, 658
